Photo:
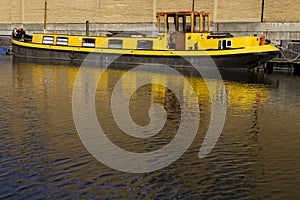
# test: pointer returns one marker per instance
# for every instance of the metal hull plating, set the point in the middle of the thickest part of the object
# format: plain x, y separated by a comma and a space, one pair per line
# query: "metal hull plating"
239, 60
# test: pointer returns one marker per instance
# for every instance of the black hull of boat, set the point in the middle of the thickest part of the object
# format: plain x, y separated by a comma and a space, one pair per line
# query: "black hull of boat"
246, 60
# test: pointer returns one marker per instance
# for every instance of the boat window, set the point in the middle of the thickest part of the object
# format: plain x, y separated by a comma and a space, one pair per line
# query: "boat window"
196, 23
171, 23
228, 43
88, 42
161, 23
48, 40
188, 27
225, 44
115, 44
205, 26
181, 24
63, 41
145, 44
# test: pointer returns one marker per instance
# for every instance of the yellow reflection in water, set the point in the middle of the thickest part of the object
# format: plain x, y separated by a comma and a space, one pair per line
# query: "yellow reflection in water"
240, 95
244, 96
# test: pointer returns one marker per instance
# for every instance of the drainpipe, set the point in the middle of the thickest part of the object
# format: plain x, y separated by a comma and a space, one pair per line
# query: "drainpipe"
45, 17
87, 28
193, 5
262, 10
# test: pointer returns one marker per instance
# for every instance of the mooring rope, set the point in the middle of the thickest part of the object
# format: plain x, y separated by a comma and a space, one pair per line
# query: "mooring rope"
283, 49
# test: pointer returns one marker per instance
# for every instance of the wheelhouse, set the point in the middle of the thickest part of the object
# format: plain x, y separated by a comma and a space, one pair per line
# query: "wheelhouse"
184, 21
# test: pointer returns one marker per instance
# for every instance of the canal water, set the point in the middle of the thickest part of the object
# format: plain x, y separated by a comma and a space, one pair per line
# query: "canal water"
42, 155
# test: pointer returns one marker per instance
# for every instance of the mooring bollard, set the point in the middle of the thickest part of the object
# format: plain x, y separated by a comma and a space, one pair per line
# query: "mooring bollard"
269, 68
296, 67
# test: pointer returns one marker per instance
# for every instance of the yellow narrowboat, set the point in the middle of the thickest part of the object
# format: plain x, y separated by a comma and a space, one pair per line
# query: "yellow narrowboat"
182, 37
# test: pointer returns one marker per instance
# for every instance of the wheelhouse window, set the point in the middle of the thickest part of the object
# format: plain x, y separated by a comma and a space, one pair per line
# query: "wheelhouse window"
180, 23
62, 41
88, 42
197, 23
115, 44
48, 40
204, 22
171, 23
161, 23
145, 44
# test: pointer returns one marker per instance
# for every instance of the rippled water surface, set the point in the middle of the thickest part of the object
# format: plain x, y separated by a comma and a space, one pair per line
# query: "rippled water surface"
42, 156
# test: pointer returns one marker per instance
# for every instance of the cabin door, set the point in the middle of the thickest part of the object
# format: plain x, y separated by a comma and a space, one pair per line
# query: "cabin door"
180, 41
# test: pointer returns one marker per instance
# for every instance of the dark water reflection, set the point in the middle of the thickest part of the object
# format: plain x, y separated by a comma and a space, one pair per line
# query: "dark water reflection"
41, 155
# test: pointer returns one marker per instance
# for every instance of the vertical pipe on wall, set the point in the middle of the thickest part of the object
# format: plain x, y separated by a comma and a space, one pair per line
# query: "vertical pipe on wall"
193, 5
87, 28
45, 17
262, 10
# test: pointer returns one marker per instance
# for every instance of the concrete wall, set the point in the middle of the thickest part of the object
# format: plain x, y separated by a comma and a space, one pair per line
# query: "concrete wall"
274, 31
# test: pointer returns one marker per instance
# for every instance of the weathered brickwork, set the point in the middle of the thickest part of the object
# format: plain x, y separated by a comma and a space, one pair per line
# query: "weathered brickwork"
239, 11
286, 11
133, 11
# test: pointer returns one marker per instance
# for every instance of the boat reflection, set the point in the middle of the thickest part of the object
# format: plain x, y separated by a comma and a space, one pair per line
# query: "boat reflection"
241, 86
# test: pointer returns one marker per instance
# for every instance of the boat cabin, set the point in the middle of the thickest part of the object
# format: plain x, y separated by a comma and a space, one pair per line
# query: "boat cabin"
184, 21
182, 26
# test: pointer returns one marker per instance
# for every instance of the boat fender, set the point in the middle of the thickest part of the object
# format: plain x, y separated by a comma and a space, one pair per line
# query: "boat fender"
72, 56
262, 39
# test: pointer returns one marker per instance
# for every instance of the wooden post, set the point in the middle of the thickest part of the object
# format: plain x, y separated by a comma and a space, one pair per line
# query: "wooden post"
201, 22
208, 22
165, 23
192, 22
158, 23
45, 17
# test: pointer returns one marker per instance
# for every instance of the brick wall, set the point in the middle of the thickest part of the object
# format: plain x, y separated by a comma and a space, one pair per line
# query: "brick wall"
133, 11
282, 11
238, 11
